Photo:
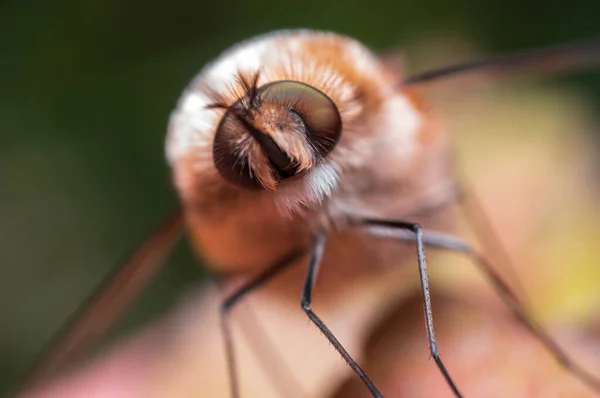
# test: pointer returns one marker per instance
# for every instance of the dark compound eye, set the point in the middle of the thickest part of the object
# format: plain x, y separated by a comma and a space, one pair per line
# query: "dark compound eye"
318, 114
230, 163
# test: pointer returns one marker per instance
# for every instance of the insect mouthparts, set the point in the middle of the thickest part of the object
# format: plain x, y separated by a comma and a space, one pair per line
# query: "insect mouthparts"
279, 159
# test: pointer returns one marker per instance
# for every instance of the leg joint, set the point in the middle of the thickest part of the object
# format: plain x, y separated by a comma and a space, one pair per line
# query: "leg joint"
305, 304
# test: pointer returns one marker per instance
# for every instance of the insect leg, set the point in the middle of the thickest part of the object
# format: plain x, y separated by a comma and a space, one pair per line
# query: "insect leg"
309, 284
487, 235
453, 243
270, 358
234, 298
416, 232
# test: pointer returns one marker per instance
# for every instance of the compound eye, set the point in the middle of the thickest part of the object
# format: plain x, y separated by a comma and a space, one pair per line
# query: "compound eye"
317, 111
228, 161
305, 105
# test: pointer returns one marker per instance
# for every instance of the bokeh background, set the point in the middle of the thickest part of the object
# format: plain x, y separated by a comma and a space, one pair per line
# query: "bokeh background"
86, 88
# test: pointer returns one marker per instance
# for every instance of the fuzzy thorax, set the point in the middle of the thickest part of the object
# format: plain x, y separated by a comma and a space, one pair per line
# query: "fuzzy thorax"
277, 113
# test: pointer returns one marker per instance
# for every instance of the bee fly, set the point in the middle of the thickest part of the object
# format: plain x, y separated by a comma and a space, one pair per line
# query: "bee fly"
300, 143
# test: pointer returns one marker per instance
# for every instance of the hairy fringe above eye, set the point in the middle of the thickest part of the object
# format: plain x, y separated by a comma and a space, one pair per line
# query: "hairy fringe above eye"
242, 89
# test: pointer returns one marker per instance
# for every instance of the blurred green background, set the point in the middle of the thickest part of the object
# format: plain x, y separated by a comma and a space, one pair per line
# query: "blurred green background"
86, 88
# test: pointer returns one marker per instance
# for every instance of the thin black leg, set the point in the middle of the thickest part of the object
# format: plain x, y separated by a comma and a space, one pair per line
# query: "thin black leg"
234, 298
417, 232
309, 284
453, 243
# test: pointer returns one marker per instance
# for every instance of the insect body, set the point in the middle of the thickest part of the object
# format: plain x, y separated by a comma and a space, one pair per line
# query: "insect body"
304, 142
347, 139
292, 135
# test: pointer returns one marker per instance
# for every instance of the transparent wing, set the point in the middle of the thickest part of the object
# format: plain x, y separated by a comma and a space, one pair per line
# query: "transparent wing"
109, 301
